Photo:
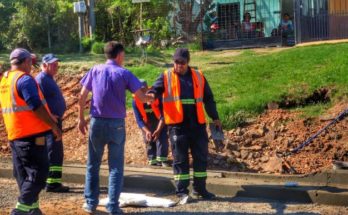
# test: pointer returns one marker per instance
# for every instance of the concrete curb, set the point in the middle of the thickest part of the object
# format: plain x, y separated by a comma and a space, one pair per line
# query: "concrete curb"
317, 188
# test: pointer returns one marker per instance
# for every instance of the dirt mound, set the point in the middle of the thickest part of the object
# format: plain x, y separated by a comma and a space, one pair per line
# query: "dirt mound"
251, 148
75, 144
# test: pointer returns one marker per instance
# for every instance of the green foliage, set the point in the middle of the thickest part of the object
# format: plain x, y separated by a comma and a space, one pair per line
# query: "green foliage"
28, 22
118, 19
87, 43
160, 29
195, 46
98, 48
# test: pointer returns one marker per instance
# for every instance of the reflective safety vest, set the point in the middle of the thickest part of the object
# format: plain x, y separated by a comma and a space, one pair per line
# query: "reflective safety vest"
20, 120
154, 109
172, 103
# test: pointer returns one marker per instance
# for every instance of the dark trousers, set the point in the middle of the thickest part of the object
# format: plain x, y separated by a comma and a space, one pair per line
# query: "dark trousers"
30, 168
157, 151
195, 140
55, 157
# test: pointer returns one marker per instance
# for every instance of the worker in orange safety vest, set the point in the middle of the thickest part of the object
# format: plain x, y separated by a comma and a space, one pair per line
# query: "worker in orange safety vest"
186, 93
150, 120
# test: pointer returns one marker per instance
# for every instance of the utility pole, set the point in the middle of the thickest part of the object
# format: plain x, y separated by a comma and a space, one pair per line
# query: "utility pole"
80, 9
91, 18
81, 31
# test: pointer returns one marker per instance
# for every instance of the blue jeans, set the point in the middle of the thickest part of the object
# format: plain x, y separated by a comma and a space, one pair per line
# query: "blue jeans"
110, 132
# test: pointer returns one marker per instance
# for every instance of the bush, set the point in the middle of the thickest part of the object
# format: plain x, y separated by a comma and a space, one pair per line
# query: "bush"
195, 46
87, 43
98, 48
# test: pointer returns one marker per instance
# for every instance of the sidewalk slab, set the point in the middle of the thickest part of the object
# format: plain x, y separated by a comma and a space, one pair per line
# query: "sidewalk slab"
311, 188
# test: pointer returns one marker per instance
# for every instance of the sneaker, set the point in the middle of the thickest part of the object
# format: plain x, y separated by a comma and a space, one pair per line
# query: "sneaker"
58, 189
204, 195
184, 199
165, 164
87, 208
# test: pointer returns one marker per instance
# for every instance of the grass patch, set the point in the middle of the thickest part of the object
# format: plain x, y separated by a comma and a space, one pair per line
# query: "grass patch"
313, 111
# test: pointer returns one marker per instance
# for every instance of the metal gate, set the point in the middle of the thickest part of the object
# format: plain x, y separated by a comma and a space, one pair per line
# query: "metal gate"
241, 24
321, 20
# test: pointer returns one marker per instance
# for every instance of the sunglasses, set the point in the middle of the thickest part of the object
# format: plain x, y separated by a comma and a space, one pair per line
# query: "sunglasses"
180, 62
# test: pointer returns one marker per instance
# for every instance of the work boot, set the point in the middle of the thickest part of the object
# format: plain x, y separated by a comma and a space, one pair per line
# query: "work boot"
153, 163
36, 211
165, 164
118, 212
184, 198
204, 195
57, 189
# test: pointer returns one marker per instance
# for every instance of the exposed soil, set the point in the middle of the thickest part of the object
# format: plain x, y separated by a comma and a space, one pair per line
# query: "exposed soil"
251, 148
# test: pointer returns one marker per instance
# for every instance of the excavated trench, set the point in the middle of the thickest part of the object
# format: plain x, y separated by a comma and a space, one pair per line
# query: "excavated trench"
321, 95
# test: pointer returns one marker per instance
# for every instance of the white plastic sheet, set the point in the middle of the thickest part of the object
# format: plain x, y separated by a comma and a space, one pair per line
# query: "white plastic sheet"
142, 200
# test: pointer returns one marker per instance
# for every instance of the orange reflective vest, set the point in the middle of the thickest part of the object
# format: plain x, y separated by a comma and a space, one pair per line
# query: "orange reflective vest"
20, 120
154, 109
172, 103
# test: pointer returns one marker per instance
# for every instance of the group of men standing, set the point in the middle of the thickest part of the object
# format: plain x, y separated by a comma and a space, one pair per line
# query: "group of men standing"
173, 106
32, 109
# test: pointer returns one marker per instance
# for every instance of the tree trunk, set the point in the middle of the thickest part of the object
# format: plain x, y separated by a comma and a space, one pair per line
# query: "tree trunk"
185, 17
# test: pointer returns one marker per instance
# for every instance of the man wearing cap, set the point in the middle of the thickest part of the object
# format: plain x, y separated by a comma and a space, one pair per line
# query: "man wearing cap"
108, 83
29, 126
150, 121
185, 91
57, 106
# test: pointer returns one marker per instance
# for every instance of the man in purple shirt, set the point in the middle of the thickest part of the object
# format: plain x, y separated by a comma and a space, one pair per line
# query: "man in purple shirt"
108, 83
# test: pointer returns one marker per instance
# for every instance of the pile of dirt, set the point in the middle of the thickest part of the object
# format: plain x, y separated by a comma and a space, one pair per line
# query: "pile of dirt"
251, 148
254, 147
75, 144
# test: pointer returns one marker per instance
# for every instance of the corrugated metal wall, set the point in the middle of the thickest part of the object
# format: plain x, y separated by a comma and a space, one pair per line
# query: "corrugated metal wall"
338, 6
321, 20
338, 18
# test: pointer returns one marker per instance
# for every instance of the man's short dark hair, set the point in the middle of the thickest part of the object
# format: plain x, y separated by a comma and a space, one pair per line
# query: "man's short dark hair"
19, 62
113, 49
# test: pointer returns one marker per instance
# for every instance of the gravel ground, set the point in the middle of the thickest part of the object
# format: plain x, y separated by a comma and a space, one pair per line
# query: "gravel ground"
70, 204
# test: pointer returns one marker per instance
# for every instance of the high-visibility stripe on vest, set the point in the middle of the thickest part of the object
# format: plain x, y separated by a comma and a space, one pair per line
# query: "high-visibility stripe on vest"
172, 103
154, 109
20, 120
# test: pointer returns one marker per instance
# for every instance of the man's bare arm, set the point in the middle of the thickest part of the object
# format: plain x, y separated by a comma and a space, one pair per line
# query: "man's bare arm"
82, 124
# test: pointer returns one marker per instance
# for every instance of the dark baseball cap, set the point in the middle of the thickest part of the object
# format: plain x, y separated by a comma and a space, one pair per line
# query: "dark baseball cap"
19, 54
182, 55
49, 58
